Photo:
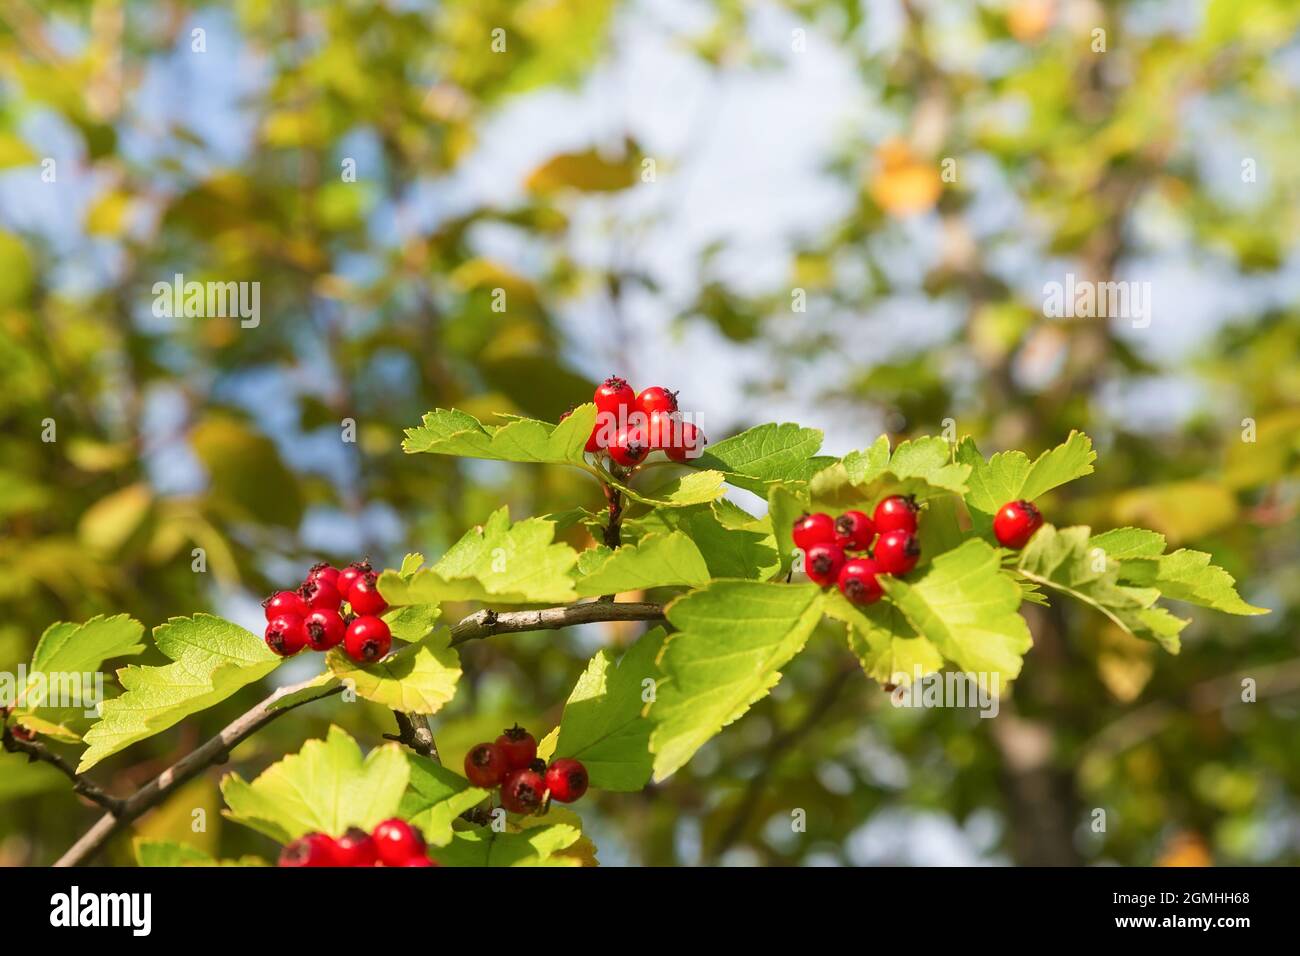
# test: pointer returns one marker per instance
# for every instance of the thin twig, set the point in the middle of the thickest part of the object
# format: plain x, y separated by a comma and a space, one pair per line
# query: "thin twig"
413, 731
487, 622
37, 751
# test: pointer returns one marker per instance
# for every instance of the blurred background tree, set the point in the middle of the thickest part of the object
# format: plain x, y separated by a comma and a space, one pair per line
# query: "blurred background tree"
840, 213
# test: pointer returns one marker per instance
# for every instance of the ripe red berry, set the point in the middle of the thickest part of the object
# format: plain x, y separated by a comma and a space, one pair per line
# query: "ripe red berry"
324, 572
822, 563
284, 602
896, 552
522, 791
602, 432
321, 595
356, 847
314, 849
348, 576
663, 429
614, 395
566, 779
629, 447
286, 635
367, 640
518, 746
365, 597
397, 841
858, 582
896, 513
689, 445
1015, 523
324, 629
814, 529
656, 399
854, 531
486, 765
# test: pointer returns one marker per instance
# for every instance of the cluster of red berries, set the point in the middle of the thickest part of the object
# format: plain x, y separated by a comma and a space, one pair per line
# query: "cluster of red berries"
630, 425
887, 538
393, 843
526, 782
312, 616
1015, 523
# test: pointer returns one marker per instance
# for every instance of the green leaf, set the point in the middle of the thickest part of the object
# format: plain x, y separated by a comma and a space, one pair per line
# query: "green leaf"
534, 846
436, 797
603, 725
1009, 475
167, 853
1123, 543
657, 560
784, 507
733, 639
1180, 576
74, 649
733, 543
696, 488
883, 640
967, 608
212, 660
923, 468
1066, 560
412, 622
498, 562
444, 432
326, 787
418, 679
764, 454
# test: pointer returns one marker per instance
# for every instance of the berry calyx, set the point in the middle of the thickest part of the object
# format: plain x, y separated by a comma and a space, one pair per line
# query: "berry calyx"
284, 602
364, 595
629, 447
314, 849
518, 746
854, 531
396, 842
486, 765
356, 847
522, 791
896, 513
320, 595
614, 395
822, 563
286, 635
688, 445
367, 640
812, 530
566, 779
1015, 523
858, 581
896, 552
656, 398
348, 576
324, 572
325, 629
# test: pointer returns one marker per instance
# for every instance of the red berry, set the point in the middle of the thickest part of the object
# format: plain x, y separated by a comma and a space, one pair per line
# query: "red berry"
356, 848
324, 629
663, 429
397, 841
614, 395
629, 447
858, 582
896, 552
690, 444
656, 399
822, 563
896, 513
348, 576
566, 779
321, 595
365, 597
601, 432
1015, 523
284, 602
522, 791
814, 529
854, 531
286, 635
518, 746
419, 861
324, 572
314, 849
367, 640
486, 765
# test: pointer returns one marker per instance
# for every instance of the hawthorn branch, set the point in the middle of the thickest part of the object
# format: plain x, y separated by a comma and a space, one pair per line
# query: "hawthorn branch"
413, 731
37, 751
214, 751
487, 622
